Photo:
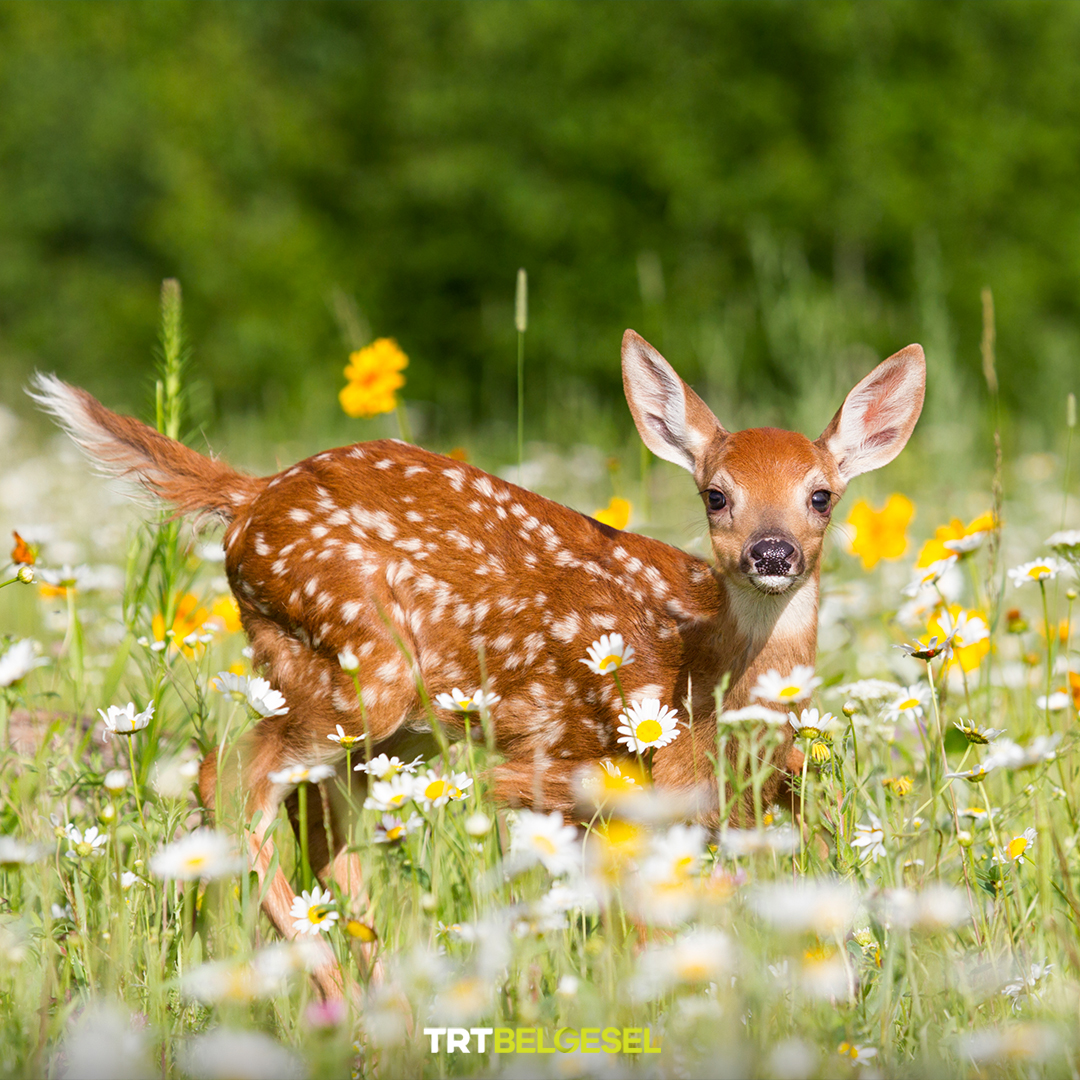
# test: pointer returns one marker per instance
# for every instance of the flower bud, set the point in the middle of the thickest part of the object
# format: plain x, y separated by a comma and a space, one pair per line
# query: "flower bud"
25, 574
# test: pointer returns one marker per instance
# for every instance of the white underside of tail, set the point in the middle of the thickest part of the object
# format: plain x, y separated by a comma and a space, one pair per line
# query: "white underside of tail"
109, 455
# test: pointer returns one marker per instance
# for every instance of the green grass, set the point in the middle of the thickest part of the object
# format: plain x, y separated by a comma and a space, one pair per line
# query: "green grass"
731, 970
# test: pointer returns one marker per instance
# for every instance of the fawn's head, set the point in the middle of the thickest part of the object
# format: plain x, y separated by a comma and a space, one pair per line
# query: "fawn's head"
769, 493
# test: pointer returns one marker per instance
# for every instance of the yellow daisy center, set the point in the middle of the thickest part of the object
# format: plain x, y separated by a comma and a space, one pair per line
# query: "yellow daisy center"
909, 703
1037, 572
317, 913
610, 662
1016, 847
648, 731
789, 692
436, 789
693, 971
195, 862
682, 866
544, 844
396, 800
396, 833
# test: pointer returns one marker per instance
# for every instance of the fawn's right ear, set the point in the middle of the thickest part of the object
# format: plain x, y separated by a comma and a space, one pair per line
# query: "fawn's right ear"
674, 423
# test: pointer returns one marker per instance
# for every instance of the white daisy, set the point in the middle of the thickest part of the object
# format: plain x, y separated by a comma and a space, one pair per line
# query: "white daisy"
966, 629
799, 684
979, 736
1039, 570
432, 789
19, 661
13, 852
390, 794
696, 958
647, 724
675, 855
348, 661
809, 724
301, 774
313, 912
81, 844
204, 853
1018, 849
255, 692
456, 701
608, 654
753, 714
929, 575
125, 721
384, 768
544, 838
871, 837
391, 829
115, 780
347, 742
910, 703
1058, 700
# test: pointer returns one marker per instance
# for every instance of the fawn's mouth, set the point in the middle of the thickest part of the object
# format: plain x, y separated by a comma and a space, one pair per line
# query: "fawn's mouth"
773, 583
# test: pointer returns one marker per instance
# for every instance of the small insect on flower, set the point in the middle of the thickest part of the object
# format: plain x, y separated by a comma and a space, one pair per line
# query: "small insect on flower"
796, 686
346, 742
647, 724
979, 736
125, 721
608, 654
255, 692
432, 790
1037, 571
927, 650
544, 838
810, 724
301, 774
204, 853
456, 701
313, 912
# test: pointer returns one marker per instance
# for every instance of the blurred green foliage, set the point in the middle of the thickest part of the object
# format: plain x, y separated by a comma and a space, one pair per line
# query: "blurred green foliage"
772, 192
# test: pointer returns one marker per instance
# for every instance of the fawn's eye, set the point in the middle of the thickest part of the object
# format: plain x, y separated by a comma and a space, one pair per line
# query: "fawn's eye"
821, 501
717, 499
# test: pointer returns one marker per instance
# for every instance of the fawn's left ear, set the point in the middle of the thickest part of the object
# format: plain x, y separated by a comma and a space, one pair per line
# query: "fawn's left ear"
878, 416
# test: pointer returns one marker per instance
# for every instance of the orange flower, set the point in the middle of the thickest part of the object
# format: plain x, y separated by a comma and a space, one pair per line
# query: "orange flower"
189, 619
1074, 689
22, 554
374, 378
616, 513
880, 534
935, 550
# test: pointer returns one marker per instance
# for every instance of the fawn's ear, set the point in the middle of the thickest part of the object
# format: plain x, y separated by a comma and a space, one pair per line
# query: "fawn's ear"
674, 423
878, 416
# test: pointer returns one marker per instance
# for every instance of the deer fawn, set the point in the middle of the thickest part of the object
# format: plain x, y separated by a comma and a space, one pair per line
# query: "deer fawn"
421, 565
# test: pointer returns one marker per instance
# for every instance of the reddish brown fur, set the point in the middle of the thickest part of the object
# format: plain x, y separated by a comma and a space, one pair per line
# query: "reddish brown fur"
432, 572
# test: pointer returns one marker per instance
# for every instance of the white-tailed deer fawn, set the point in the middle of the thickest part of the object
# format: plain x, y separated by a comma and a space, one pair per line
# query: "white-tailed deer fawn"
420, 566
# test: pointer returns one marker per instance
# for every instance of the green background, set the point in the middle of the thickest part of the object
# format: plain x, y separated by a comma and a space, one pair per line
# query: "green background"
774, 193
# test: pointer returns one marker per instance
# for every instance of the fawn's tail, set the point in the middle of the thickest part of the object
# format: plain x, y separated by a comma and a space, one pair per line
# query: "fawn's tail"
127, 448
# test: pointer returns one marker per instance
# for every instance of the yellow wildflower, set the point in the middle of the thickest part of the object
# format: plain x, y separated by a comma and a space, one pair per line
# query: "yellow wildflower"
374, 375
972, 640
934, 550
898, 785
880, 534
616, 513
225, 615
189, 619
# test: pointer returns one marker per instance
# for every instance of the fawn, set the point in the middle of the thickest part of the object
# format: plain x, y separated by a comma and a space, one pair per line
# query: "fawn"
430, 570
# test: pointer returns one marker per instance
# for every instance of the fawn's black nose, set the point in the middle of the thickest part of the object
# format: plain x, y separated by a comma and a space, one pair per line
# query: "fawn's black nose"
772, 556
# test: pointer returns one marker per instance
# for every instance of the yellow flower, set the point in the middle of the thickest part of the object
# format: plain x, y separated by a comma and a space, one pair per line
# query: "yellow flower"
880, 534
374, 377
189, 619
225, 615
934, 550
616, 513
972, 640
898, 785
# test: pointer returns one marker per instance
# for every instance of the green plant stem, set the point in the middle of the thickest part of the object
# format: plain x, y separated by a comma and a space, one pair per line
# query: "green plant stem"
134, 776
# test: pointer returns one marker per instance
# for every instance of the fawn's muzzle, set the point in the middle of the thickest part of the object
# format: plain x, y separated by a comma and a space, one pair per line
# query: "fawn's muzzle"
772, 556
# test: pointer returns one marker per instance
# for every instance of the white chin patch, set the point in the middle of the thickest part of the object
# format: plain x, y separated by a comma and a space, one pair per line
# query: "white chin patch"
772, 583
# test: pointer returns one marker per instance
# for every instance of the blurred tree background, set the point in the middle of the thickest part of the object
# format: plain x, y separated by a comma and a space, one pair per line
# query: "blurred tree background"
775, 193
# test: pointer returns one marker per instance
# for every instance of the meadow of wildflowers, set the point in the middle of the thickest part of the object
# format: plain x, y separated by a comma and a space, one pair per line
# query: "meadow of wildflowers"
911, 910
